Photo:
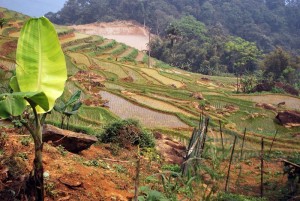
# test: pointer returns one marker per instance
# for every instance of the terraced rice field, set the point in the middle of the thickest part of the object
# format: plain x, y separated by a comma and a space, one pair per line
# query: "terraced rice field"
76, 36
155, 74
135, 75
111, 67
159, 105
147, 117
169, 99
80, 58
290, 102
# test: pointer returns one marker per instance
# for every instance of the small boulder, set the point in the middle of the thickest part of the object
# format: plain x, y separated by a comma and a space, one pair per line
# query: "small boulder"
266, 106
71, 141
289, 118
197, 95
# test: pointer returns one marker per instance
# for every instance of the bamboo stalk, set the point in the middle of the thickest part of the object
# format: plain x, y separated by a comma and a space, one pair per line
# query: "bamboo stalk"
204, 134
229, 167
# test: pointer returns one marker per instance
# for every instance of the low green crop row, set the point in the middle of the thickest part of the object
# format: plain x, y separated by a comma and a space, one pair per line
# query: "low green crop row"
109, 45
66, 32
77, 41
119, 50
131, 56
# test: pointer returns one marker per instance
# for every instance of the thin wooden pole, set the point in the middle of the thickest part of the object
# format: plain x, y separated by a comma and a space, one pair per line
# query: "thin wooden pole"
137, 176
221, 132
273, 142
200, 121
149, 49
237, 83
243, 144
262, 168
229, 167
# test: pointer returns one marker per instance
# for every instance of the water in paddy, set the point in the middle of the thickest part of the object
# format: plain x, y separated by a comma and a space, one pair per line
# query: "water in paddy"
149, 118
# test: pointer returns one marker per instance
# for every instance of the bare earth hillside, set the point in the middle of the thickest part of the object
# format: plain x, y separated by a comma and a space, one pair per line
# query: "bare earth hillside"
122, 31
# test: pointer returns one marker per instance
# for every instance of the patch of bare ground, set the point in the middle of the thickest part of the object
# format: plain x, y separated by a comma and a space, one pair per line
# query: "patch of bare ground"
130, 33
140, 57
94, 174
171, 150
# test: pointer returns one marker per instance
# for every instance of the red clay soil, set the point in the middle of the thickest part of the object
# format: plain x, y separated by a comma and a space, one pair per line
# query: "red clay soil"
8, 47
107, 172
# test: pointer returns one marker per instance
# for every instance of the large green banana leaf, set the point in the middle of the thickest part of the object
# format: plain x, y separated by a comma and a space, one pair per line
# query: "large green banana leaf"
41, 63
14, 104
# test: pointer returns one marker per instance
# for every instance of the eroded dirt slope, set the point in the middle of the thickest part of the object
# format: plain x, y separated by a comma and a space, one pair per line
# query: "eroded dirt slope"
126, 32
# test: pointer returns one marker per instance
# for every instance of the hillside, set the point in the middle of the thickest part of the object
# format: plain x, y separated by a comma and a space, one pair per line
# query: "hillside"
208, 37
268, 23
117, 83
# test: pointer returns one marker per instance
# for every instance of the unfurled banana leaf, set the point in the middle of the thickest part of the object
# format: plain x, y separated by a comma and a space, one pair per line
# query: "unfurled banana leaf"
14, 84
41, 63
75, 97
14, 104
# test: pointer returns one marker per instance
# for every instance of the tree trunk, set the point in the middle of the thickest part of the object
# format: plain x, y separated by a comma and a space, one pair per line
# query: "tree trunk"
35, 184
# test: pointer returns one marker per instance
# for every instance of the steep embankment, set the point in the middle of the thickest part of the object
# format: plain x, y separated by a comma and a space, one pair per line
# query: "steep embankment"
126, 32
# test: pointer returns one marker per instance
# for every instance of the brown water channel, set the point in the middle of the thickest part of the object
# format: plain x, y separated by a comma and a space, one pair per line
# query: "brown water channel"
149, 118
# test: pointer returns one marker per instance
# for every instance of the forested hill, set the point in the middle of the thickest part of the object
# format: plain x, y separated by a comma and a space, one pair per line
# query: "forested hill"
266, 22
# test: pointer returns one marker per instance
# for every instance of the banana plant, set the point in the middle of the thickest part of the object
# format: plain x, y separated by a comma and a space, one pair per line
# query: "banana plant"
40, 79
64, 108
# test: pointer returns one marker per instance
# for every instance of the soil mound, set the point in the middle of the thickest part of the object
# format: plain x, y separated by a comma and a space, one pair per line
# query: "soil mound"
279, 85
289, 118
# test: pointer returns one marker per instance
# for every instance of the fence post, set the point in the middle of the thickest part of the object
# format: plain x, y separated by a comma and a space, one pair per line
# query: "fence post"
262, 168
243, 144
204, 134
137, 176
273, 141
228, 173
221, 132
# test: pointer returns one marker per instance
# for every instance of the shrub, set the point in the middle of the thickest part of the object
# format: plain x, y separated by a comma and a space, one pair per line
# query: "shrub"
127, 133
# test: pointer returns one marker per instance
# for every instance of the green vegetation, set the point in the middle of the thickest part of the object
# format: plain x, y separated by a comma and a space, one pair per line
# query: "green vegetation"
69, 108
127, 133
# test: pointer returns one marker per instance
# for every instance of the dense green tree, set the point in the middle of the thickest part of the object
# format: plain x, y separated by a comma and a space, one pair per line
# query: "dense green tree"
3, 22
241, 55
275, 63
